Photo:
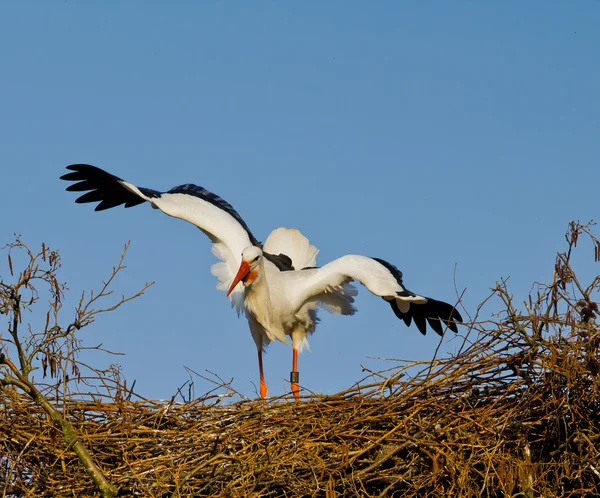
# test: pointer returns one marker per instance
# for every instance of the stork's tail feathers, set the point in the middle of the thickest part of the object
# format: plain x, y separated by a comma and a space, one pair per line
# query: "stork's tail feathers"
291, 242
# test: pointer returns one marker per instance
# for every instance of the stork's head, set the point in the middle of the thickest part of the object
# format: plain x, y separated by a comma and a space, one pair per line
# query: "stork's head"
249, 269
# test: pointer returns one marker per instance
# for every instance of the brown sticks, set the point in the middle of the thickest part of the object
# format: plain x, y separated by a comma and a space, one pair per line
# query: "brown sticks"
513, 412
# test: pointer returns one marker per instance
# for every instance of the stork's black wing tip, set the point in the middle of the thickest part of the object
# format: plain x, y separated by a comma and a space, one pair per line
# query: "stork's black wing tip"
103, 187
436, 313
454, 318
80, 167
436, 325
82, 172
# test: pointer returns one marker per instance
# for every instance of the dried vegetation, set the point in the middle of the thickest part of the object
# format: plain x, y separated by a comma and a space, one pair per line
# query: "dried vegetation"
515, 411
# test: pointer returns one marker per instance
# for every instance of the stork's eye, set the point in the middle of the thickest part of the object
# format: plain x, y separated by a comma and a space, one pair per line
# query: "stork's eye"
256, 259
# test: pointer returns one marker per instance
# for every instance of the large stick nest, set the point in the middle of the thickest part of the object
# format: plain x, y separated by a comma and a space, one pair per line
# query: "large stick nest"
513, 411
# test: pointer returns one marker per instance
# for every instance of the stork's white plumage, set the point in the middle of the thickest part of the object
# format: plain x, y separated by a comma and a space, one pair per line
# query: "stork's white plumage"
277, 286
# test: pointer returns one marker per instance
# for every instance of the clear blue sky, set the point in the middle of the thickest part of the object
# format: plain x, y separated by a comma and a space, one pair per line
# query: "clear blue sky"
430, 134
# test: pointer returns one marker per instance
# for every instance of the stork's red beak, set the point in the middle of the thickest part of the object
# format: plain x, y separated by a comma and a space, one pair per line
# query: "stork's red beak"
242, 272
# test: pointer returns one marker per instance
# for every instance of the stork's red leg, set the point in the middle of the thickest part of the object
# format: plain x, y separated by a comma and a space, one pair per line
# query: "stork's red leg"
263, 385
294, 375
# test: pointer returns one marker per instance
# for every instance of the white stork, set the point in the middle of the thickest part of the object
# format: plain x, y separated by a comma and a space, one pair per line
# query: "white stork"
277, 286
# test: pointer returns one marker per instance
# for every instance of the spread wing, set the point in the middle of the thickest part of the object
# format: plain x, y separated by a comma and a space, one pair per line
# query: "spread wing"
210, 213
382, 279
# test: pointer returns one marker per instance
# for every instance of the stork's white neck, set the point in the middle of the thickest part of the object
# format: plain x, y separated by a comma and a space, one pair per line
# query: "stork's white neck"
257, 298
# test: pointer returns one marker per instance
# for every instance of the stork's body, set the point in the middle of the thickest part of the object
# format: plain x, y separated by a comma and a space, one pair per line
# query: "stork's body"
282, 305
277, 286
